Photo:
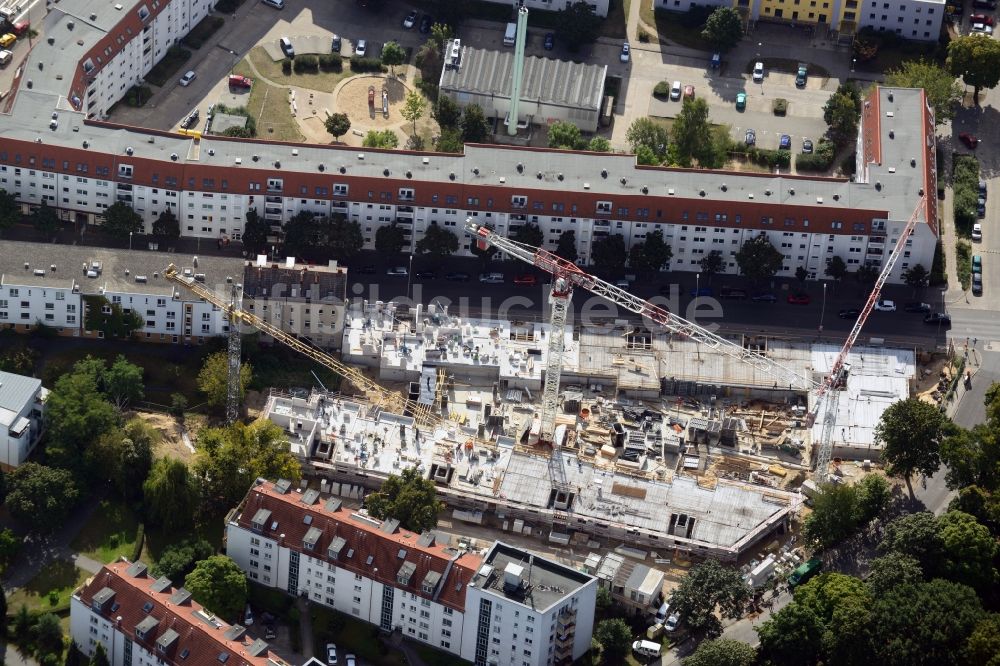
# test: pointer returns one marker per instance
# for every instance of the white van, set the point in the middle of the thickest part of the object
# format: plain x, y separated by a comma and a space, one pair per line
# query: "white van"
6, 56
510, 35
646, 648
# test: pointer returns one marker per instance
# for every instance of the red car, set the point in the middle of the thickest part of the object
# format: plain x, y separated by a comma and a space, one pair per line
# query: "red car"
526, 280
798, 299
237, 81
985, 19
970, 140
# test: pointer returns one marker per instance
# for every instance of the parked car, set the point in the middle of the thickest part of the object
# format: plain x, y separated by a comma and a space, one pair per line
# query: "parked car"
689, 92
741, 101
985, 19
922, 308
750, 138
758, 72
456, 277
331, 654
800, 76
270, 632
938, 318
977, 232
981, 207
277, 4
675, 91
398, 270
799, 299
526, 280
410, 20
7, 39
970, 140
849, 313
491, 278
426, 275
248, 616
426, 21
20, 28
188, 77
672, 622
286, 47
977, 263
764, 297
5, 57
350, 660
361, 48
807, 146
623, 284
885, 305
982, 188
729, 292
237, 81
785, 142
191, 120
626, 52
701, 291
982, 28
549, 42
977, 284
337, 44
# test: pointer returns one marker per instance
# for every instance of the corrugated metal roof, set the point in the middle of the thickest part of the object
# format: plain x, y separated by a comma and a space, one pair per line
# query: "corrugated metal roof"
15, 390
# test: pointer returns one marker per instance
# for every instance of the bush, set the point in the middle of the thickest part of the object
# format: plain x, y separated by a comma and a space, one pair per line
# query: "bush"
168, 65
286, 67
367, 65
963, 263
662, 89
199, 34
938, 275
965, 181
140, 536
770, 158
643, 36
820, 160
138, 95
331, 62
849, 164
780, 106
305, 64
227, 6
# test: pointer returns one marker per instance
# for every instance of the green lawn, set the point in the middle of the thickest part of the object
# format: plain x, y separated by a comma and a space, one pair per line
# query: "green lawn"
269, 106
669, 27
431, 656
109, 534
271, 70
211, 530
54, 583
352, 635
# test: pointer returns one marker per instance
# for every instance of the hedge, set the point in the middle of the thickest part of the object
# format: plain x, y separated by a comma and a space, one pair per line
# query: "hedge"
199, 34
367, 65
963, 263
286, 67
662, 89
305, 64
820, 160
938, 275
965, 181
331, 62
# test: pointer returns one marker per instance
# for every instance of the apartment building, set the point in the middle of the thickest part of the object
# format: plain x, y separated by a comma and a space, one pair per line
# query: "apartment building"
919, 20
145, 621
22, 404
634, 585
300, 542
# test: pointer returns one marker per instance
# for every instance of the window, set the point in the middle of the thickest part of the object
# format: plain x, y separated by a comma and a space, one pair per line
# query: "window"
604, 207
519, 201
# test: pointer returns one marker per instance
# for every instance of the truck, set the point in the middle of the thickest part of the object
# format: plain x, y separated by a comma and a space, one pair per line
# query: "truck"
801, 75
510, 34
805, 571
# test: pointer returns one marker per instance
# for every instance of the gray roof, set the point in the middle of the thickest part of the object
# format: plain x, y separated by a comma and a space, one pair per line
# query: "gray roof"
545, 80
548, 582
119, 268
15, 391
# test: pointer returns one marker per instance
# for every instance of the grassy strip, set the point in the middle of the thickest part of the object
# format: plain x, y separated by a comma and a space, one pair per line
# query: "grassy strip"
965, 181
683, 29
168, 65
50, 590
110, 533
963, 263
200, 34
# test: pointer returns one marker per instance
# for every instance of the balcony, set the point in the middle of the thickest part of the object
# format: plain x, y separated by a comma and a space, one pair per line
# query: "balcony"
404, 220
404, 209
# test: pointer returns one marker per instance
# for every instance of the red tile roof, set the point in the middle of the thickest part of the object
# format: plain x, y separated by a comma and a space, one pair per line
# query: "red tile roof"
363, 536
204, 642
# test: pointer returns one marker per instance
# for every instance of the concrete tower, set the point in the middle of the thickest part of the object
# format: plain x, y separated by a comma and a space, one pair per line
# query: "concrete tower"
517, 72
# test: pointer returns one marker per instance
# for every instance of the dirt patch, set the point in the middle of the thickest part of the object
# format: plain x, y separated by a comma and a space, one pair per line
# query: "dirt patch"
353, 99
255, 402
171, 440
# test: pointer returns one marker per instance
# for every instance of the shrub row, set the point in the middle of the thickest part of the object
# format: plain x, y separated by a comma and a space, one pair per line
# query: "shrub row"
963, 263
821, 158
367, 65
965, 181
305, 64
227, 6
331, 62
207, 27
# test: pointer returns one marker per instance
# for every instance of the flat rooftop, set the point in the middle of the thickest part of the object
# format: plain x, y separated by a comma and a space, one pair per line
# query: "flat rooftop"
543, 583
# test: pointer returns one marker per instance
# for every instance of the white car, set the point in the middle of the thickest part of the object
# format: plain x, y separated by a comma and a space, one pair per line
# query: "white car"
675, 91
398, 270
758, 73
977, 232
983, 28
626, 52
672, 622
361, 48
331, 654
410, 20
188, 78
885, 306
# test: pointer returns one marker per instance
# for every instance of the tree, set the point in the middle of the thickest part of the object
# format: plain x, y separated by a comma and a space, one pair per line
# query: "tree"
566, 247
41, 497
446, 112
48, 636
691, 133
891, 570
604, 600
565, 135
983, 646
230, 459
390, 239
10, 544
429, 61
835, 268
170, 495
344, 237
392, 56
835, 515
723, 29
708, 586
100, 657
337, 124
123, 457
758, 259
122, 383
255, 233
120, 220
874, 494
437, 242
178, 559
866, 275
475, 127
917, 536
972, 457
916, 277
614, 636
409, 498
380, 139
213, 379
711, 264
650, 255
801, 274
442, 31
791, 636
968, 550
45, 219
599, 145
911, 432
73, 655
975, 501
644, 133
167, 225
530, 234
943, 92
926, 623
413, 107
218, 584
449, 141
76, 414
842, 603
722, 652
10, 210
976, 60
577, 24
609, 253
841, 116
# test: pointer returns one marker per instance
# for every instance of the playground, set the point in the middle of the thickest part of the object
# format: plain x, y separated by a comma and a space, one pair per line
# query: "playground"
372, 102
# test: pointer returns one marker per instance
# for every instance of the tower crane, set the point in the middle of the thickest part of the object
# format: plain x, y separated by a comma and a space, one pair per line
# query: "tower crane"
567, 275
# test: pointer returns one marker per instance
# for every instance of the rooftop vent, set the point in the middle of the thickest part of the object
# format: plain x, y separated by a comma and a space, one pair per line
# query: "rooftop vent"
819, 200
129, 150
475, 170
520, 168
409, 174
238, 161
321, 167
670, 191
913, 161
723, 187
890, 95
538, 175
93, 17
836, 197
211, 151
791, 191
385, 172
622, 180
767, 193
878, 185
361, 156
426, 160
560, 176
451, 176
750, 195
343, 169
295, 151
173, 156
586, 186
645, 190
604, 173
701, 193
920, 191
892, 134
27, 265
277, 164
256, 158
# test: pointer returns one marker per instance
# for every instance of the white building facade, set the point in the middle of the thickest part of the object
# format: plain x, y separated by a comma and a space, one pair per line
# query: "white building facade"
22, 406
918, 20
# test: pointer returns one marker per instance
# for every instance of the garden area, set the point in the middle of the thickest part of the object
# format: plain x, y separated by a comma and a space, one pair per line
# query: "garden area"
168, 66
113, 531
681, 28
50, 590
